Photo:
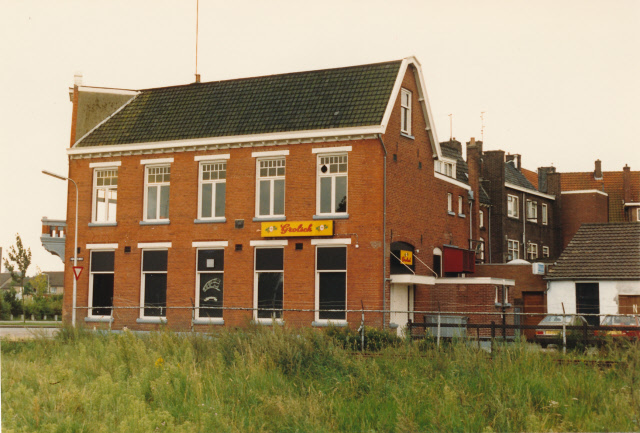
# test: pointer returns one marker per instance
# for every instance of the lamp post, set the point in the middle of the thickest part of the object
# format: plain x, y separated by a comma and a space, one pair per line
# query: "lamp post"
75, 247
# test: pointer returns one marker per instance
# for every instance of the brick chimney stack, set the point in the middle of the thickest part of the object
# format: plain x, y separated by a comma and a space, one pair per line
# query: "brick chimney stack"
597, 174
543, 176
516, 160
474, 155
626, 183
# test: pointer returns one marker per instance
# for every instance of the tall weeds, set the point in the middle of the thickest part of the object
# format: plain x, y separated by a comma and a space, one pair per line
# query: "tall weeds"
266, 379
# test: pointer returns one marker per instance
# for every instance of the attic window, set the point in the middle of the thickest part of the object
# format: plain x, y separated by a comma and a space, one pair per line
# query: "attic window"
446, 168
405, 112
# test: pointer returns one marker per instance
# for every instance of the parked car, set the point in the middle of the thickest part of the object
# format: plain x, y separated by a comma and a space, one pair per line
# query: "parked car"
554, 336
620, 321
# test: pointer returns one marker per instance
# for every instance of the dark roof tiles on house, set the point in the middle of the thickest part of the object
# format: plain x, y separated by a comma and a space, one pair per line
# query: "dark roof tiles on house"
606, 251
514, 176
331, 98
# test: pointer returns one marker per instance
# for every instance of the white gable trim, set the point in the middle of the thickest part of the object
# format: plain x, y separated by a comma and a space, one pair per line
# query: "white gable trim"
451, 180
529, 191
585, 191
423, 99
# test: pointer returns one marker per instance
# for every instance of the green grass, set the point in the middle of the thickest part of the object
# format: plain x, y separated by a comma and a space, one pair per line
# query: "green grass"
266, 380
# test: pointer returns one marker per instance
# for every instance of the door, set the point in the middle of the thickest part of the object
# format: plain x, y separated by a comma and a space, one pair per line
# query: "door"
401, 306
588, 301
533, 303
629, 304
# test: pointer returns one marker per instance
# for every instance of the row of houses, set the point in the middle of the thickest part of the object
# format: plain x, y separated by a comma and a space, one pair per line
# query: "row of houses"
301, 198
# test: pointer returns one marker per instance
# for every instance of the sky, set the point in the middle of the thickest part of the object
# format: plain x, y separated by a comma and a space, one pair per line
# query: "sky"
557, 81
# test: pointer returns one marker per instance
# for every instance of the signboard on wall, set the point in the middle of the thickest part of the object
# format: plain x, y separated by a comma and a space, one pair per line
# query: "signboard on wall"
296, 228
406, 257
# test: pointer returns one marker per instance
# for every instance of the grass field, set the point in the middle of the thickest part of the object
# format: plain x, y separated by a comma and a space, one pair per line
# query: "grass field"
279, 380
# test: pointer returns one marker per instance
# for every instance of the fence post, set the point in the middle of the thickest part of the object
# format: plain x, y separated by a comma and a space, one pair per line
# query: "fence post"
410, 330
493, 333
584, 333
564, 330
362, 327
438, 339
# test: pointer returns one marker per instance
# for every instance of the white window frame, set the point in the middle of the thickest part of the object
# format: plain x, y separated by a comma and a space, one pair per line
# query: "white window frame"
256, 277
405, 111
513, 249
333, 176
159, 186
545, 214
513, 206
319, 246
214, 190
545, 252
532, 251
450, 203
143, 282
198, 274
481, 249
532, 211
638, 214
107, 218
271, 179
481, 219
91, 275
446, 168
460, 205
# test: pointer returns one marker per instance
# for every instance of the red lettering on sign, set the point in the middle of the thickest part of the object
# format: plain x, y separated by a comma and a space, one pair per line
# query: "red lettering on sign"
286, 228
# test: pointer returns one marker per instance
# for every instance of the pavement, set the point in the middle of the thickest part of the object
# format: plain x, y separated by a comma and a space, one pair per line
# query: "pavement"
26, 333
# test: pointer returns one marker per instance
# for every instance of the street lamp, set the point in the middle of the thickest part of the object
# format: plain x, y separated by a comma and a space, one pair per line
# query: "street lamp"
75, 247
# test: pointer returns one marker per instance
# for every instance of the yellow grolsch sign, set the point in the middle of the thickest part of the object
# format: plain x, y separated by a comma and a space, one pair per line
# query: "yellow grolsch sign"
406, 257
297, 228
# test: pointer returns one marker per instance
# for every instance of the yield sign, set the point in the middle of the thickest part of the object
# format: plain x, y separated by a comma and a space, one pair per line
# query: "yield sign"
77, 270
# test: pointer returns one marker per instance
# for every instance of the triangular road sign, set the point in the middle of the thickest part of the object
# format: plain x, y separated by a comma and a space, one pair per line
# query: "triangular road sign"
77, 270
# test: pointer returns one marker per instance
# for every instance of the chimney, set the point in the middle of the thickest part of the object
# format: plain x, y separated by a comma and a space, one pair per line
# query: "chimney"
197, 78
543, 175
597, 174
516, 160
626, 183
77, 79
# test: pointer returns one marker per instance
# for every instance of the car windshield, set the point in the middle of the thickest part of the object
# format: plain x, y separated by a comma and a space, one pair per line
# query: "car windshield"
619, 320
555, 319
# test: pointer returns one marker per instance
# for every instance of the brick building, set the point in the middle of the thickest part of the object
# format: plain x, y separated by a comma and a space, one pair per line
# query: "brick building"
598, 197
524, 218
299, 197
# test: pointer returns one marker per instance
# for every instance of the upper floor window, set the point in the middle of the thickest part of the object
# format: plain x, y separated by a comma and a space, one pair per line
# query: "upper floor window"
105, 195
532, 251
545, 214
545, 251
213, 187
513, 206
532, 211
157, 179
513, 249
270, 196
405, 112
450, 202
446, 168
481, 219
460, 206
332, 184
480, 250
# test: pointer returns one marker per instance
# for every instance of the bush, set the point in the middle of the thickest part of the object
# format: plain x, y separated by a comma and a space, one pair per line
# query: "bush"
15, 306
374, 339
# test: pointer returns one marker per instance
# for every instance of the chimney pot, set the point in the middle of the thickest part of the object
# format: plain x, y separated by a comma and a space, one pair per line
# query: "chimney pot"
598, 172
77, 79
197, 78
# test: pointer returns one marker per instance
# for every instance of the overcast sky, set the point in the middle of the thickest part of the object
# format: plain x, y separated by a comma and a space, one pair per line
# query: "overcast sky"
557, 80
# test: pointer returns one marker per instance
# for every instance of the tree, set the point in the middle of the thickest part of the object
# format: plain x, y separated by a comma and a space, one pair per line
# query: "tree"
18, 263
38, 285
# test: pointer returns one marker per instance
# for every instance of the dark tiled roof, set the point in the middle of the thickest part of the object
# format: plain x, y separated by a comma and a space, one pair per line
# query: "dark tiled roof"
514, 176
484, 197
330, 98
56, 279
612, 183
606, 251
452, 150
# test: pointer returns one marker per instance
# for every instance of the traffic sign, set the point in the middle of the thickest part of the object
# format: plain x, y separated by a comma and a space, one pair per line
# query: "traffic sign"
77, 270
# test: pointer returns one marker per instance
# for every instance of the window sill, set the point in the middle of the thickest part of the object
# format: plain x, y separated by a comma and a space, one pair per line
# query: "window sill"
269, 218
333, 216
404, 134
154, 223
208, 321
151, 320
267, 322
327, 323
451, 213
461, 215
210, 221
103, 224
106, 319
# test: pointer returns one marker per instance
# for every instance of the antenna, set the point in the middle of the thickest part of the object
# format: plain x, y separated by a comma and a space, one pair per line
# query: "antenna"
482, 125
197, 16
451, 127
